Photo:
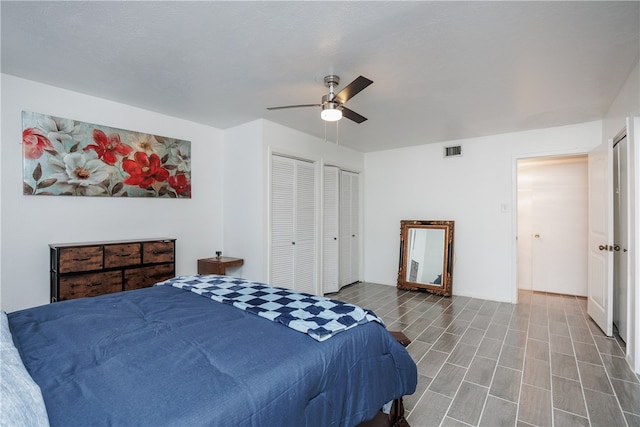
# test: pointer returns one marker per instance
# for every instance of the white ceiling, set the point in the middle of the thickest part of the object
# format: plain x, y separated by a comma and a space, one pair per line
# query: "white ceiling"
441, 70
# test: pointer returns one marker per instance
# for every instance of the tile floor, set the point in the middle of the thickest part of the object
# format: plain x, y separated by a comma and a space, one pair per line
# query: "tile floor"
542, 362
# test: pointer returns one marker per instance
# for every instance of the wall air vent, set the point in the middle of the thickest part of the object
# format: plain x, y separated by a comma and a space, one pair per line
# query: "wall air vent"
453, 151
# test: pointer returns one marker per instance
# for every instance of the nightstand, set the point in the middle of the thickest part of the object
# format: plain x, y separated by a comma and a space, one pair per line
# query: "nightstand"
217, 265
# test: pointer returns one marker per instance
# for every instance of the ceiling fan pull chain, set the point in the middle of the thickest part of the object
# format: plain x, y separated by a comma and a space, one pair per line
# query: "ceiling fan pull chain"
325, 131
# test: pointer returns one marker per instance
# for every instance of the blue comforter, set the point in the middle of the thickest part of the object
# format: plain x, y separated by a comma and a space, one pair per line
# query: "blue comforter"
163, 356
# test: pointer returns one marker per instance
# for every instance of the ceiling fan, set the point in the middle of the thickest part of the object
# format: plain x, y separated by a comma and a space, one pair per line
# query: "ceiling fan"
333, 103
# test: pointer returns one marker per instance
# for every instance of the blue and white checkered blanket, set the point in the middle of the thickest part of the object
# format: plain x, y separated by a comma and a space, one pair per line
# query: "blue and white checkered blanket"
319, 317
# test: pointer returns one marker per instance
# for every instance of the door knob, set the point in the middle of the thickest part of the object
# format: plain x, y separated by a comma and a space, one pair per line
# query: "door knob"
602, 247
536, 236
616, 248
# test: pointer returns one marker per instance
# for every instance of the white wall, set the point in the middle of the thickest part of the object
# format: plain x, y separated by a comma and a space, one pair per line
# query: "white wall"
418, 183
244, 195
30, 223
626, 104
246, 210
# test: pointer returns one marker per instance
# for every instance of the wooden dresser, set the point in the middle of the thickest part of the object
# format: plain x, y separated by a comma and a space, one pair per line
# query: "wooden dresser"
95, 268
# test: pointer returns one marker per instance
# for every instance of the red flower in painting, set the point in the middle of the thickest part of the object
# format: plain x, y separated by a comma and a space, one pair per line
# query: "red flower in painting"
144, 170
34, 143
108, 147
180, 184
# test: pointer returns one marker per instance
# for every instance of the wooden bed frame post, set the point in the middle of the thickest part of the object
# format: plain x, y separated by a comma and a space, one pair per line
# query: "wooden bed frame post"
396, 414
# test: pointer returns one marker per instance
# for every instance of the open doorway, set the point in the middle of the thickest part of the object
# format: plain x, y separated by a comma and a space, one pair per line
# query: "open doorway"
552, 218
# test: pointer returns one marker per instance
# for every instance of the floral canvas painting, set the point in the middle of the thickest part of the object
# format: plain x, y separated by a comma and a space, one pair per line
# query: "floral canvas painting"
68, 157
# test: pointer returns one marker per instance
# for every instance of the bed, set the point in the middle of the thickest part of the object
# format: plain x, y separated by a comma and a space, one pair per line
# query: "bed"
178, 354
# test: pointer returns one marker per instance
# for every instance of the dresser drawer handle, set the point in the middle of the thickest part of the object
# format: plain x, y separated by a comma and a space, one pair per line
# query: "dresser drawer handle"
122, 255
82, 259
166, 251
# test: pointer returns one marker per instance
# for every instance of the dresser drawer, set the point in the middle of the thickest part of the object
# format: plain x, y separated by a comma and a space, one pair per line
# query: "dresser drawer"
157, 252
136, 278
121, 255
89, 285
84, 258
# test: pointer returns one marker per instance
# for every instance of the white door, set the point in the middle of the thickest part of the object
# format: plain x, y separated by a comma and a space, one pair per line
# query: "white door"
560, 223
293, 213
349, 228
282, 221
331, 230
525, 235
305, 235
553, 224
355, 229
600, 277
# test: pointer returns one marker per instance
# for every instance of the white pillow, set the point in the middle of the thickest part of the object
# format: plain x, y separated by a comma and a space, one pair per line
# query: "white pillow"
21, 402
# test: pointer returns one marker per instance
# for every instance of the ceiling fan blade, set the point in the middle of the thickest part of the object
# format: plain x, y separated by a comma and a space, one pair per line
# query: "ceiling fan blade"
352, 115
352, 89
294, 106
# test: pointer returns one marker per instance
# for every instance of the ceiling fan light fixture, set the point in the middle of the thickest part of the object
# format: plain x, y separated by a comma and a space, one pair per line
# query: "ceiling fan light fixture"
332, 104
331, 112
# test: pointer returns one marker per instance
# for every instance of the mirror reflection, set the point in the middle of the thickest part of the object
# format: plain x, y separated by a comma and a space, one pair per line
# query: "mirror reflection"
426, 249
426, 256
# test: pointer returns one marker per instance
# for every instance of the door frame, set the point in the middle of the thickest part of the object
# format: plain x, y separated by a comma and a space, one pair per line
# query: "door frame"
514, 211
632, 125
633, 348
626, 273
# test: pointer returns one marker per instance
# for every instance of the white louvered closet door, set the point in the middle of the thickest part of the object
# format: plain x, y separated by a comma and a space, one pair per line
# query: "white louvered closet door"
349, 228
282, 221
293, 224
305, 233
331, 230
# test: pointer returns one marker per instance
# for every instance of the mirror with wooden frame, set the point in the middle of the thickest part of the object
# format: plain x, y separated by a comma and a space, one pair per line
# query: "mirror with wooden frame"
426, 256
